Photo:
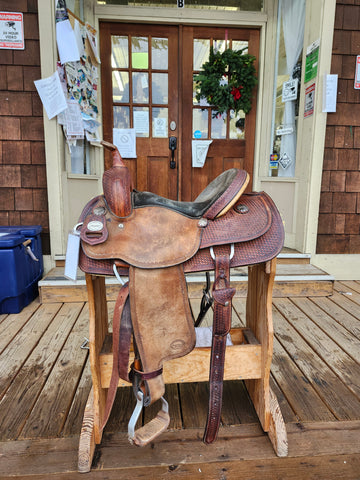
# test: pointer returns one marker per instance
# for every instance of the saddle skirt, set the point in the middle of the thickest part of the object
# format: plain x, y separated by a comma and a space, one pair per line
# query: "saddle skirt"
156, 241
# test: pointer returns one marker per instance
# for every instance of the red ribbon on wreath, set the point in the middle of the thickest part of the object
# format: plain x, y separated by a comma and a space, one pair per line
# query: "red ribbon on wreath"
235, 92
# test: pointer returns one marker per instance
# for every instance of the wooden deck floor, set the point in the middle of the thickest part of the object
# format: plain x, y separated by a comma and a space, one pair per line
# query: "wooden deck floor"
45, 381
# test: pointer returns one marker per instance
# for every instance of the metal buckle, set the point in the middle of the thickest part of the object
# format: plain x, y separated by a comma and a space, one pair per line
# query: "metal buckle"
232, 251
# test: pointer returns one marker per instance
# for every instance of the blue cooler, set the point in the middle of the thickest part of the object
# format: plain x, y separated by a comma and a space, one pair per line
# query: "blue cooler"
21, 266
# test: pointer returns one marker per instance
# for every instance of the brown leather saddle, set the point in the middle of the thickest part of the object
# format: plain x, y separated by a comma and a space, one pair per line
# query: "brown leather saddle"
155, 241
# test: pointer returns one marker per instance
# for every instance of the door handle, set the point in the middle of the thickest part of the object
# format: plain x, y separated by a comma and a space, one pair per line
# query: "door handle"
172, 147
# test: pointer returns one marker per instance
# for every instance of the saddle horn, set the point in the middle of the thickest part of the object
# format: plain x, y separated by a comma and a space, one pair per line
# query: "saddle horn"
117, 184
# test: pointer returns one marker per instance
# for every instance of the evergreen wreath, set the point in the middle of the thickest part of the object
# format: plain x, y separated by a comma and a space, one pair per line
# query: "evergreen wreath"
226, 81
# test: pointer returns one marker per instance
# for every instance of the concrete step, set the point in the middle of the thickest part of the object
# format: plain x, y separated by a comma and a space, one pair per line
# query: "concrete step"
292, 279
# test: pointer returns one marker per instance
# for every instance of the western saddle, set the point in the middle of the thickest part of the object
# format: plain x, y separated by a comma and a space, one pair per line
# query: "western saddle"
154, 242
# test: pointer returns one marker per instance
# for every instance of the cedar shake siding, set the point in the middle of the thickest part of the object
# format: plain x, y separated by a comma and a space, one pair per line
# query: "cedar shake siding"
23, 189
339, 212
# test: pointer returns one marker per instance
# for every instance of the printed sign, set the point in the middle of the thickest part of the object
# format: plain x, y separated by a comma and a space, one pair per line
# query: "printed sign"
330, 93
11, 31
274, 164
284, 130
309, 100
357, 73
312, 60
285, 160
289, 90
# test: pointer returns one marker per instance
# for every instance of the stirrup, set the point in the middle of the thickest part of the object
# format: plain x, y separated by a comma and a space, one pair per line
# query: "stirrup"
151, 430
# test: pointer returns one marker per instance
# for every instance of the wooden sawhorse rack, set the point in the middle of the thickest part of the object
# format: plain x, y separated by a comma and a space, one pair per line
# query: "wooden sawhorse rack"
248, 359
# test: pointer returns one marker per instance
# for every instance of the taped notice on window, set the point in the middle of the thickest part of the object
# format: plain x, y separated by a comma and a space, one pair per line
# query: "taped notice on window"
199, 152
357, 74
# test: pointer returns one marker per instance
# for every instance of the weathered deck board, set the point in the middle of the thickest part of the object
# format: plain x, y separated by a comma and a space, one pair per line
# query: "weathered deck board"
314, 448
339, 400
45, 381
14, 323
338, 333
17, 404
75, 416
18, 350
350, 323
326, 348
48, 416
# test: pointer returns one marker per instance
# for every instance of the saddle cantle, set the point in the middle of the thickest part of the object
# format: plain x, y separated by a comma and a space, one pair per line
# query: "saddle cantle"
155, 241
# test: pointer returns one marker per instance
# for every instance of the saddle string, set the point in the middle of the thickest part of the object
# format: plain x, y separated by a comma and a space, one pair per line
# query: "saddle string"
206, 302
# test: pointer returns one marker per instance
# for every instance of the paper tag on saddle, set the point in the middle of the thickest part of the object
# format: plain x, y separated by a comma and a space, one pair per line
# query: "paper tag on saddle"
72, 255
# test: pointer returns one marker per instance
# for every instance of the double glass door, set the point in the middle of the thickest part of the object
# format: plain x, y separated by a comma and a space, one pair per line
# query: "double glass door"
147, 85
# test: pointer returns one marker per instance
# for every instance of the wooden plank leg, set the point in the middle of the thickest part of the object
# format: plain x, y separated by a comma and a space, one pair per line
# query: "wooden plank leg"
259, 320
91, 431
98, 328
277, 431
87, 437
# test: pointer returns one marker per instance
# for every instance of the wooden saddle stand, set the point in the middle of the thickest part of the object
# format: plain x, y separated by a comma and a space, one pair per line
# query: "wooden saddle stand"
154, 242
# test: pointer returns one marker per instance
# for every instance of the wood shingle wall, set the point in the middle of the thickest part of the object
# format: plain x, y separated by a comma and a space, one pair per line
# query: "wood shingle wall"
339, 214
23, 188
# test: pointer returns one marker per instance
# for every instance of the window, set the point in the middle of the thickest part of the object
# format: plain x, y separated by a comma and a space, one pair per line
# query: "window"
205, 125
290, 38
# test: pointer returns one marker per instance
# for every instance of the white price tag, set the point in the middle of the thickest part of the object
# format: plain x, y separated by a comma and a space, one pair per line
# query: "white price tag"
72, 255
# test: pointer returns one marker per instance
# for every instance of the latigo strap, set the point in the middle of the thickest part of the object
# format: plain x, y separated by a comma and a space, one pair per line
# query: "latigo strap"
222, 294
121, 345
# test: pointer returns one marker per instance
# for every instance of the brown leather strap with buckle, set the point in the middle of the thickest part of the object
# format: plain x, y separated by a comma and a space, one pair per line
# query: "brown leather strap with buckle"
222, 294
121, 346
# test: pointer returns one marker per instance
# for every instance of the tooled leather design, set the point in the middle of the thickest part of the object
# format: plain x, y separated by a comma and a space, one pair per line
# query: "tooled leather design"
223, 295
250, 252
216, 389
117, 188
258, 250
239, 227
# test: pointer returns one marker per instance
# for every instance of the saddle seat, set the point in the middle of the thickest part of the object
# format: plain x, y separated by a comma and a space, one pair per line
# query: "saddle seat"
217, 198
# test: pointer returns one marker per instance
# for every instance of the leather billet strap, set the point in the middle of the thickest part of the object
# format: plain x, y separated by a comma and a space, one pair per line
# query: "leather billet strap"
222, 294
121, 345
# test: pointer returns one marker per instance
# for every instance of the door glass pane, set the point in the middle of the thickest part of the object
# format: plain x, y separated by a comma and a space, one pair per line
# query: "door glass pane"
121, 117
203, 102
218, 126
201, 52
240, 44
119, 52
140, 85
160, 88
160, 122
237, 125
140, 52
219, 45
159, 53
141, 121
120, 83
200, 123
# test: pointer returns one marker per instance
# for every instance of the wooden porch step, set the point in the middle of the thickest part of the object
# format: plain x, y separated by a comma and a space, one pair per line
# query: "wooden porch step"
292, 279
